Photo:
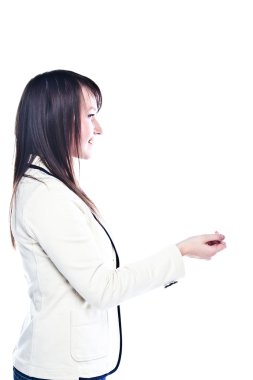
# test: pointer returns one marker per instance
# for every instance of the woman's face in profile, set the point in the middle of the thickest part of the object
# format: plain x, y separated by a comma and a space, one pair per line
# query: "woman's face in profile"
89, 125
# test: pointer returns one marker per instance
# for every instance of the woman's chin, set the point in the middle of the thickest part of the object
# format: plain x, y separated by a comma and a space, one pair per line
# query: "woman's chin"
82, 156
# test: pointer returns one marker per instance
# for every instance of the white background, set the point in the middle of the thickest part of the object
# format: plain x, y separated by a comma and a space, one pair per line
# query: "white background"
175, 160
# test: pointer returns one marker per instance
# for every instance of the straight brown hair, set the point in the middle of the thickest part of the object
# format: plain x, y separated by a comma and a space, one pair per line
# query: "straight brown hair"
47, 123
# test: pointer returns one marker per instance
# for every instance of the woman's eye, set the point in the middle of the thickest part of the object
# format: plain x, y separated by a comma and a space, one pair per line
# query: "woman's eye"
91, 115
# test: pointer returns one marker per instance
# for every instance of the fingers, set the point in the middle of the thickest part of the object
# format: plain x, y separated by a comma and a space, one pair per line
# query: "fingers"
218, 247
221, 235
221, 246
217, 237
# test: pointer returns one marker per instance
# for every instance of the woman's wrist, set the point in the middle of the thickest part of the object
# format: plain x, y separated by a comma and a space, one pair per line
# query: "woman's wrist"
182, 248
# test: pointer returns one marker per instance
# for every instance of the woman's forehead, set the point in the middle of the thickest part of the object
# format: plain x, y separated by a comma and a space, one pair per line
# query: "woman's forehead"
88, 99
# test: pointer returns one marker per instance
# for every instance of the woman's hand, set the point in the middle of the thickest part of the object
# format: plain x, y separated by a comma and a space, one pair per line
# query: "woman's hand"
202, 246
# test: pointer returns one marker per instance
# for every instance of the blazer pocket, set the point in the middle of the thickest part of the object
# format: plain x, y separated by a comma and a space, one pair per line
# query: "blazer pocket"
89, 336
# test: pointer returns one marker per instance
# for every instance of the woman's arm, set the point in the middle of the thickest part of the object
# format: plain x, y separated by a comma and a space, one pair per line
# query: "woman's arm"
62, 229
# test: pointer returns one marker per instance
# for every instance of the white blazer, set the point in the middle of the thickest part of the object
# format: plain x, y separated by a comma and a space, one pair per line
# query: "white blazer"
73, 285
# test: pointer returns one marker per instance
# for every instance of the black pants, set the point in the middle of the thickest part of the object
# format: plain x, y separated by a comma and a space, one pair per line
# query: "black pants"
17, 375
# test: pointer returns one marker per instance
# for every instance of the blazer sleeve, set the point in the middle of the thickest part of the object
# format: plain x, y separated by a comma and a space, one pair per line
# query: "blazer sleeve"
61, 228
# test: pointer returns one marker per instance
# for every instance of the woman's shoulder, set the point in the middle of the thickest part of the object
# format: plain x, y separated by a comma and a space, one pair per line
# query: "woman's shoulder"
33, 184
42, 190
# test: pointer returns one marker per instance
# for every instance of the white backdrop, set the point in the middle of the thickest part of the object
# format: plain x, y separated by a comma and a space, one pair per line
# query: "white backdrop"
175, 160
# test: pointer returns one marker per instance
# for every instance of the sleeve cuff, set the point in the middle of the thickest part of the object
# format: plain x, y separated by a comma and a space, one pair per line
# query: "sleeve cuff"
179, 267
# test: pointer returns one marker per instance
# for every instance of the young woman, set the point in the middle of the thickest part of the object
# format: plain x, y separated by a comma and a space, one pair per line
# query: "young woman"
70, 261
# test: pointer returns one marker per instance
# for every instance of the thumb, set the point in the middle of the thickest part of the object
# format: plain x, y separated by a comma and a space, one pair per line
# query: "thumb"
213, 238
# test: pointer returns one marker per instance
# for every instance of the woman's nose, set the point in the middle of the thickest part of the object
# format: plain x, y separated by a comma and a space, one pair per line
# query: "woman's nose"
98, 130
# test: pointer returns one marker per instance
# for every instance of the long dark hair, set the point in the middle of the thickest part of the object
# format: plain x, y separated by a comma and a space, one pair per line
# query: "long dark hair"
48, 123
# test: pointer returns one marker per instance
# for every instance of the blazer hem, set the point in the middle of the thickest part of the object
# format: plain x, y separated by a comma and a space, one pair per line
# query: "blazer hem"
56, 374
